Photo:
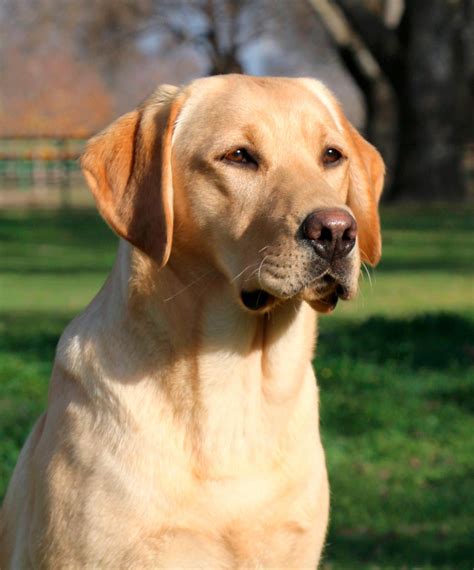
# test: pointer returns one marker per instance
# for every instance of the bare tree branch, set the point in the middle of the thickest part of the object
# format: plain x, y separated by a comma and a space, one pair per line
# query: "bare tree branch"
382, 42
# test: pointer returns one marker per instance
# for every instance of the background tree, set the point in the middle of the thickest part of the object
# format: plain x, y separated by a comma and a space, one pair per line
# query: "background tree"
216, 28
424, 57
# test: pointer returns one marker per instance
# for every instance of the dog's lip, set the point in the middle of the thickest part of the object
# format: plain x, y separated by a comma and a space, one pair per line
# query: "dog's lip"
334, 284
325, 304
343, 292
323, 299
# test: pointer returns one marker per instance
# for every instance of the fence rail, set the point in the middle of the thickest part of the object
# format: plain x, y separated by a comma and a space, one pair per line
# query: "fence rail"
41, 163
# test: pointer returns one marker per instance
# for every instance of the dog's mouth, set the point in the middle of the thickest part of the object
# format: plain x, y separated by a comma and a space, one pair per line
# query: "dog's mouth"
256, 300
322, 299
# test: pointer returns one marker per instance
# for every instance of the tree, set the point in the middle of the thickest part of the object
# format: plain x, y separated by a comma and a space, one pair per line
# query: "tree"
431, 82
425, 59
216, 28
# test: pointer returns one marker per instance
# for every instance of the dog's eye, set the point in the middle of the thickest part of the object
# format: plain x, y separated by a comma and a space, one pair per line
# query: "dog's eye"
241, 156
331, 156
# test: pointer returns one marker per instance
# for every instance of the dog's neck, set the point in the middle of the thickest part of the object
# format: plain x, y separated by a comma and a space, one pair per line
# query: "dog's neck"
210, 356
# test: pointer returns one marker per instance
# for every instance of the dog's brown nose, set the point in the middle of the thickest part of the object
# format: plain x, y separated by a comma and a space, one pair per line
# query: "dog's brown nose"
332, 232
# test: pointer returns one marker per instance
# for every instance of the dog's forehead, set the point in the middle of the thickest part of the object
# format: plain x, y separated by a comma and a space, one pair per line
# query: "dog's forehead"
218, 103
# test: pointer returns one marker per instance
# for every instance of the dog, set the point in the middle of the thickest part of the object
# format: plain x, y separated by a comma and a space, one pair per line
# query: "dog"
182, 424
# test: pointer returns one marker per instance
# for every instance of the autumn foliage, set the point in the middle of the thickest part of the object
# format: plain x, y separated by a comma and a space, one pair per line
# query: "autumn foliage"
51, 92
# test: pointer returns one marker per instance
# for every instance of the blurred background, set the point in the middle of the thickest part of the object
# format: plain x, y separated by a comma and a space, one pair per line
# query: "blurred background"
396, 366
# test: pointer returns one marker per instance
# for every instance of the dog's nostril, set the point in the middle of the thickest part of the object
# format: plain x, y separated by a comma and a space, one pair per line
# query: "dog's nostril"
326, 235
348, 235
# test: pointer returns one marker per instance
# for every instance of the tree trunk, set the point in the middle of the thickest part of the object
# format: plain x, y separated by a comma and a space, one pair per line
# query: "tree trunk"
225, 63
432, 92
368, 51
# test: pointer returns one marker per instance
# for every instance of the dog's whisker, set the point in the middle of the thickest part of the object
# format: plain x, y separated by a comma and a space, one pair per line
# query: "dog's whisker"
260, 270
242, 272
317, 277
186, 287
254, 272
368, 274
367, 270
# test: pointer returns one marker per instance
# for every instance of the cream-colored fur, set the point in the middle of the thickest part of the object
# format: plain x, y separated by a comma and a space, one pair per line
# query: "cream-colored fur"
182, 428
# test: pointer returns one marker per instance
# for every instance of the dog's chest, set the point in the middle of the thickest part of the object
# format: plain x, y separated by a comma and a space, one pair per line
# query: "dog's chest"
243, 479
266, 518
255, 519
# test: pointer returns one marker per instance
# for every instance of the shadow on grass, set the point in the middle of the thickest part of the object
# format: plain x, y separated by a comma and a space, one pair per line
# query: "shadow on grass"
55, 243
98, 268
82, 228
408, 548
27, 346
437, 341
387, 372
31, 336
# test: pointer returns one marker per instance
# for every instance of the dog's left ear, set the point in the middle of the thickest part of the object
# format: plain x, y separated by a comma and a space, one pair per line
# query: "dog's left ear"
128, 168
366, 184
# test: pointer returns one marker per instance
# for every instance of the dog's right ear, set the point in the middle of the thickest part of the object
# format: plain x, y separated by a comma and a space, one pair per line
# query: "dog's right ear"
128, 168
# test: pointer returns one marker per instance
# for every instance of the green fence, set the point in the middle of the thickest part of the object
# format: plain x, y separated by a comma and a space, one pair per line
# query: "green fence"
40, 163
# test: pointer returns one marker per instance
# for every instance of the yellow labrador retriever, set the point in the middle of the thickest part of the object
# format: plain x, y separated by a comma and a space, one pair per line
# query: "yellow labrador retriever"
182, 424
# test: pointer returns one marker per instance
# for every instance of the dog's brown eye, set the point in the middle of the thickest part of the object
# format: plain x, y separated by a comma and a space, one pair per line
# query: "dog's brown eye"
240, 156
331, 156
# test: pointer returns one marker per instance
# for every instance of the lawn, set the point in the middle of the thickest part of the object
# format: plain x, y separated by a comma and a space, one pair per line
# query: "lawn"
395, 368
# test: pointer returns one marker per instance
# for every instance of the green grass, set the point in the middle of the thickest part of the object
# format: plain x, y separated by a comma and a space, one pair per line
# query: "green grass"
395, 369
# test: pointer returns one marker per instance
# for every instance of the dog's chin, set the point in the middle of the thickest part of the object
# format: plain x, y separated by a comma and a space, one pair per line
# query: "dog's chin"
322, 304
322, 297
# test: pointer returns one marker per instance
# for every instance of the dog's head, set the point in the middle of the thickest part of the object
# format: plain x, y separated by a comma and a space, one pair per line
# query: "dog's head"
262, 178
